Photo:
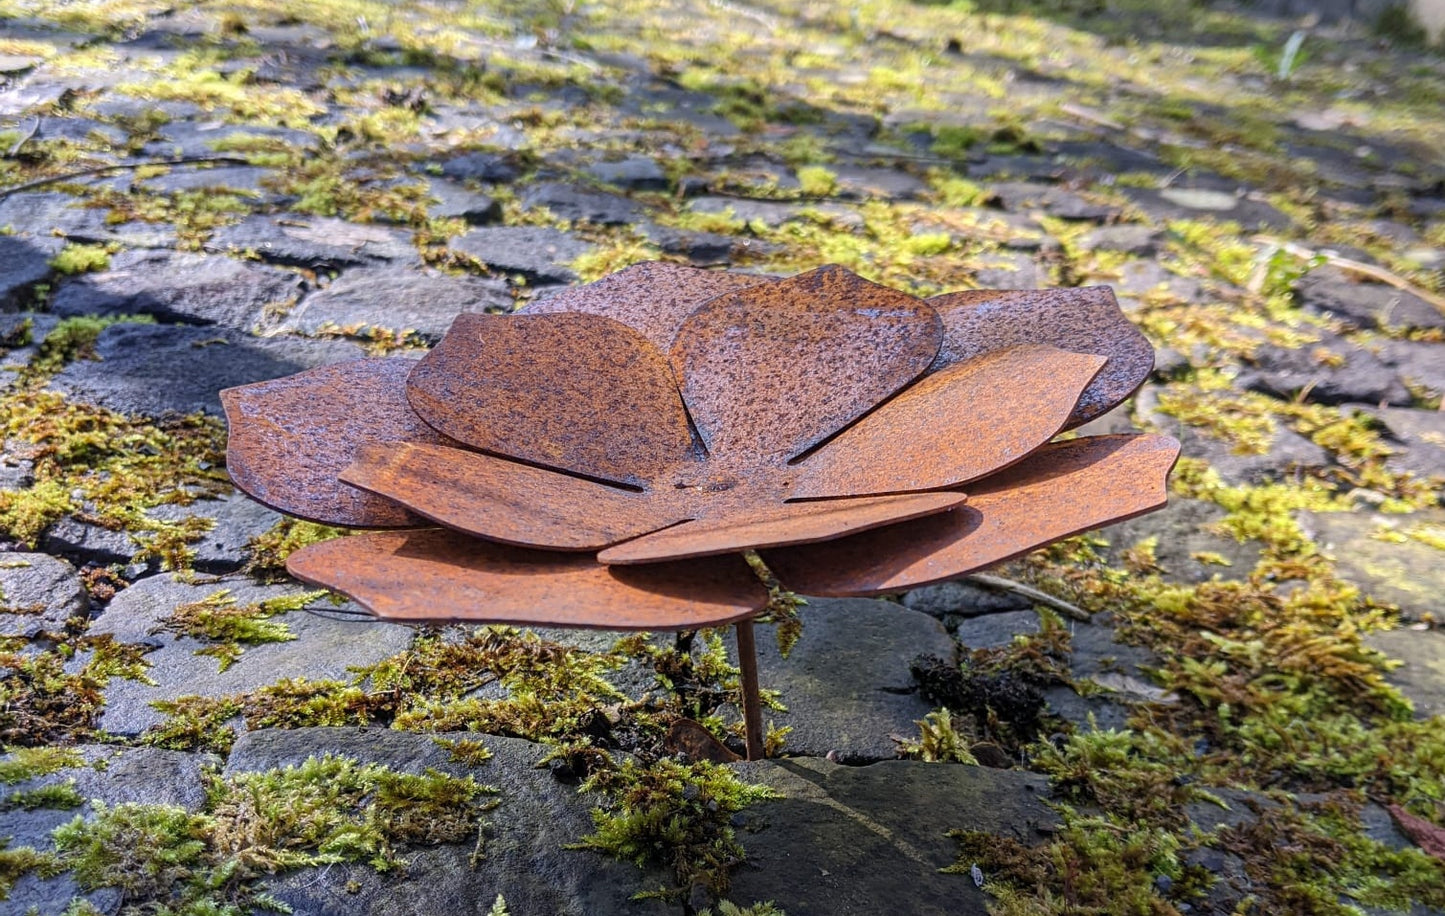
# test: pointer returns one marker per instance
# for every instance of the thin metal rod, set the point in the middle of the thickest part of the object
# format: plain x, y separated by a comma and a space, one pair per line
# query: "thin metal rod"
752, 700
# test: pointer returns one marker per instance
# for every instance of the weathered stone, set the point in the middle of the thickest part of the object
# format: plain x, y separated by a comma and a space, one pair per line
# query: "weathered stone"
1009, 270
246, 179
524, 860
1221, 202
872, 839
42, 214
455, 201
87, 542
1186, 547
1140, 280
572, 203
1402, 571
315, 242
180, 287
79, 130
1422, 676
1056, 202
38, 593
1332, 371
1420, 364
847, 684
634, 173
23, 264
1364, 305
1419, 440
151, 369
1130, 239
889, 184
479, 167
962, 599
540, 254
186, 138
770, 213
325, 648
237, 518
396, 299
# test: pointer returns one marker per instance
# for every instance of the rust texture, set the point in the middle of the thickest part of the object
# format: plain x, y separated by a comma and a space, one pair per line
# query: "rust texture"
1062, 489
439, 576
1083, 320
666, 416
290, 437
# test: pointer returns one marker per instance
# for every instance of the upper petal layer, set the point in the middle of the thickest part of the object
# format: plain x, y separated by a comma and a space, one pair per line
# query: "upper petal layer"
954, 425
291, 436
506, 501
439, 576
578, 392
1060, 490
773, 370
653, 297
1084, 320
769, 526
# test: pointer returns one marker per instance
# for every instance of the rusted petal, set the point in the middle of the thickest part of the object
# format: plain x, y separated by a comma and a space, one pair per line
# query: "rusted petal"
440, 576
1083, 320
954, 425
291, 436
578, 392
1062, 489
773, 370
789, 523
654, 297
505, 501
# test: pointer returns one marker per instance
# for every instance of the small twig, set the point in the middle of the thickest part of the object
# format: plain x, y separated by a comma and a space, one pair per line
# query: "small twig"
1001, 584
121, 167
1358, 268
15, 150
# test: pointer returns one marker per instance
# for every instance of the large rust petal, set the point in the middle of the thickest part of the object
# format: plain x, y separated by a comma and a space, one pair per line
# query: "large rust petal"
289, 438
439, 576
954, 425
1083, 320
503, 500
1060, 490
654, 297
773, 370
581, 393
788, 523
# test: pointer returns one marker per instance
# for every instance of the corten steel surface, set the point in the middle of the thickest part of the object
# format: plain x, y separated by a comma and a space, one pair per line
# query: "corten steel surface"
719, 413
438, 576
1062, 489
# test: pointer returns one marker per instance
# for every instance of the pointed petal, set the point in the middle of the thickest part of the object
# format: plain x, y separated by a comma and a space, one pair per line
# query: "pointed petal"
439, 576
505, 501
653, 297
788, 523
1060, 490
1083, 320
291, 436
775, 369
953, 426
577, 392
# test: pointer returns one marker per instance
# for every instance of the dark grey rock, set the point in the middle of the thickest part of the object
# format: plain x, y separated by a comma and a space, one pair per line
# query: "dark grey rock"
1022, 196
489, 167
1131, 239
315, 242
1401, 571
186, 138
42, 214
847, 684
524, 861
455, 201
23, 264
86, 542
1364, 305
577, 205
1142, 279
890, 184
864, 840
539, 254
180, 287
1221, 202
324, 648
151, 369
768, 212
962, 599
237, 518
634, 173
1332, 371
95, 230
397, 299
1419, 440
1419, 363
1183, 535
79, 130
1422, 676
1009, 270
38, 593
698, 247
246, 179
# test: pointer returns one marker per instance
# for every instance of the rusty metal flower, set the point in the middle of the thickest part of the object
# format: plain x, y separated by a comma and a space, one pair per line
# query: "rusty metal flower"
603, 458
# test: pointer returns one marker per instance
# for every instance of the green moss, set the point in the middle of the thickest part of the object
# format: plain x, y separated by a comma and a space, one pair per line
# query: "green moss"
79, 259
45, 700
74, 338
267, 552
23, 763
57, 795
194, 723
23, 860
219, 619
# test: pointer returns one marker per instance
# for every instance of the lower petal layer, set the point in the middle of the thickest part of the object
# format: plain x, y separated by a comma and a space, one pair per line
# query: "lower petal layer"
505, 501
1060, 490
788, 523
440, 576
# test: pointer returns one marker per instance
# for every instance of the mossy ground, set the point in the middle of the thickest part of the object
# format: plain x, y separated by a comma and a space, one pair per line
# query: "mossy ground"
1277, 692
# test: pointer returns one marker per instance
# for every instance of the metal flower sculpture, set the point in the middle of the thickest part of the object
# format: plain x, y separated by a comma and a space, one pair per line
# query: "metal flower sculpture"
604, 458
